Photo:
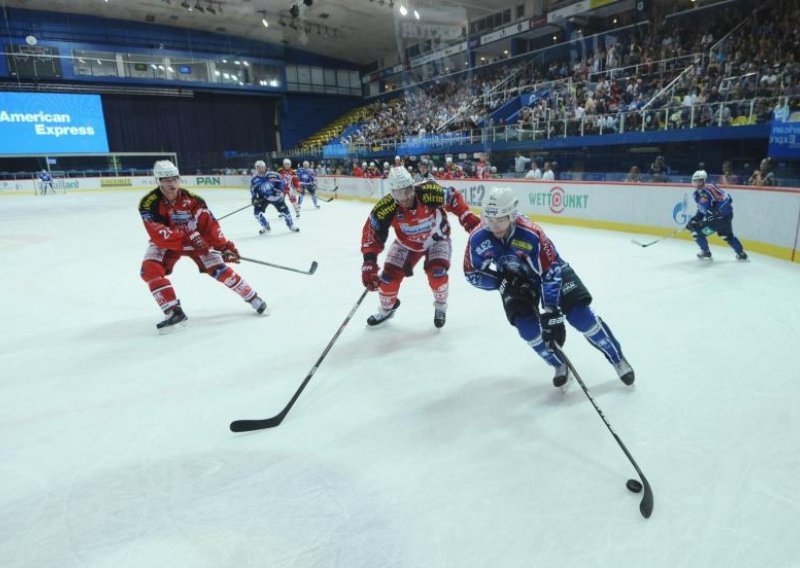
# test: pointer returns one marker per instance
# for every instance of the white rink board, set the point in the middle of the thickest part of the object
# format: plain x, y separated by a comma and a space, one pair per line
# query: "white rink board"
766, 219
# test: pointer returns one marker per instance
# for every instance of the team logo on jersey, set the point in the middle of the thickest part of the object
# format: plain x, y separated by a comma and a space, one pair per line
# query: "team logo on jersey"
520, 244
180, 217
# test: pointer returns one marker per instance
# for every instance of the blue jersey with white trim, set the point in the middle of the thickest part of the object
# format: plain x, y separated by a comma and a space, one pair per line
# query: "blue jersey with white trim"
526, 251
268, 187
306, 177
712, 200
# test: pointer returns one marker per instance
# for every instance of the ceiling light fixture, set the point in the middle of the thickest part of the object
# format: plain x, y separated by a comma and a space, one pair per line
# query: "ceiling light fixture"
416, 14
264, 22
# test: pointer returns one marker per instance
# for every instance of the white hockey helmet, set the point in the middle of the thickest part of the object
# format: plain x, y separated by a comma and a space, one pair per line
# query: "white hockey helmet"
287, 163
385, 165
306, 164
501, 202
699, 175
165, 169
399, 179
397, 159
260, 164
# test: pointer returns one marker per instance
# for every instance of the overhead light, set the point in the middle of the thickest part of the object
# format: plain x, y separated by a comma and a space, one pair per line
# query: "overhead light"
264, 22
416, 14
403, 10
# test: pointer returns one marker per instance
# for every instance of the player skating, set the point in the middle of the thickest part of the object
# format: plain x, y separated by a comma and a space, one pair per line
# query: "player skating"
180, 224
291, 185
714, 214
418, 214
511, 254
268, 188
308, 184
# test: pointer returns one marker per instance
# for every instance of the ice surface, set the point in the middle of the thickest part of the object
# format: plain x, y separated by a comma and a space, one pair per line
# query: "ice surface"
411, 446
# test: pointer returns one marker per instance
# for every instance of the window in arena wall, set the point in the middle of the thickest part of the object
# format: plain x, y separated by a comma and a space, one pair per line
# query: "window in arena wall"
184, 69
95, 63
143, 66
265, 75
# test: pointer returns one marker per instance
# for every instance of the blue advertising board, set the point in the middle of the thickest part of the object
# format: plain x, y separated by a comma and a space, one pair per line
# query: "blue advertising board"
49, 123
784, 138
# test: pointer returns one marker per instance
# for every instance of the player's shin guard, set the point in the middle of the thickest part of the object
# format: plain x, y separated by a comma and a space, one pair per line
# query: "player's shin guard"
701, 240
160, 286
529, 330
596, 332
300, 200
227, 276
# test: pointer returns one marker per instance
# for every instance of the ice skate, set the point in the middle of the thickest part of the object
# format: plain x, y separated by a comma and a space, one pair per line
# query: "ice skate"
624, 371
265, 229
174, 316
704, 255
295, 229
259, 305
439, 314
741, 256
382, 315
562, 378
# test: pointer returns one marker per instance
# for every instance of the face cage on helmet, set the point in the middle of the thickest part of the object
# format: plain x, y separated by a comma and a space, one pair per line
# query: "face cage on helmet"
403, 193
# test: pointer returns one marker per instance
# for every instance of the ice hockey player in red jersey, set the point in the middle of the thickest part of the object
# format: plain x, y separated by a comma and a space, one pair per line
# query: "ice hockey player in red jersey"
179, 224
418, 214
292, 185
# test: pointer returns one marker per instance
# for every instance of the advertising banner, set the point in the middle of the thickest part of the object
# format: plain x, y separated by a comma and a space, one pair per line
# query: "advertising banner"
42, 123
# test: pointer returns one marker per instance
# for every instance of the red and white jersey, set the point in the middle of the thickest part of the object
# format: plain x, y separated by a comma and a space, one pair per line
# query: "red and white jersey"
419, 227
168, 222
290, 178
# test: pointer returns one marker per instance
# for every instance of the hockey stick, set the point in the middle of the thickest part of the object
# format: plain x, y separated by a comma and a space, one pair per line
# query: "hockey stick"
232, 212
330, 198
249, 425
311, 270
665, 237
646, 505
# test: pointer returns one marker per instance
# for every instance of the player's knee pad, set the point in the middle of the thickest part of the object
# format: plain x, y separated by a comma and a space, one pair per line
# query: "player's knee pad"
582, 318
392, 273
152, 271
222, 273
527, 325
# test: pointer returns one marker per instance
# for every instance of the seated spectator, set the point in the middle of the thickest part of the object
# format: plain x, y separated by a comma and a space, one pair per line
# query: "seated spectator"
658, 170
534, 172
634, 175
728, 177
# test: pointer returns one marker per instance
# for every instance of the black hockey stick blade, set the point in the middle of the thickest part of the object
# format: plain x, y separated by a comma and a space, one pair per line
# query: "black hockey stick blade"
665, 237
646, 505
250, 425
310, 271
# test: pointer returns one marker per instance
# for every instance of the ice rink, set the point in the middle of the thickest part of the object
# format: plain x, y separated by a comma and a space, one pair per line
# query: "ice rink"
411, 447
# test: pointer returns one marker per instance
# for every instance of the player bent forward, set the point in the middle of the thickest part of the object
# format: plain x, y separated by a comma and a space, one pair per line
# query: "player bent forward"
511, 254
418, 214
180, 224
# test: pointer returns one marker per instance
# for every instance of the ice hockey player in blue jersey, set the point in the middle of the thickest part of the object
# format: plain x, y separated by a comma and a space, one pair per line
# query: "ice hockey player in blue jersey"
45, 182
267, 188
510, 253
714, 215
308, 183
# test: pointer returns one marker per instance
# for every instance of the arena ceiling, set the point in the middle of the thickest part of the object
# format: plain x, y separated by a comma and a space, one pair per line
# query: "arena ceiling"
361, 31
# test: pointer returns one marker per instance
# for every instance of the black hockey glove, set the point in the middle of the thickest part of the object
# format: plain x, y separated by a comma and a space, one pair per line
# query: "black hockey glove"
519, 297
695, 223
553, 330
712, 216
